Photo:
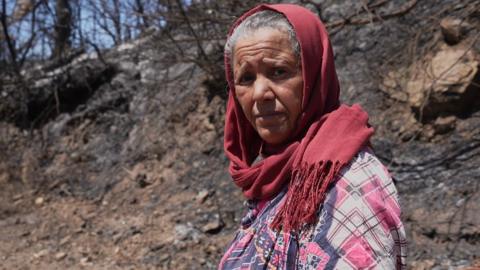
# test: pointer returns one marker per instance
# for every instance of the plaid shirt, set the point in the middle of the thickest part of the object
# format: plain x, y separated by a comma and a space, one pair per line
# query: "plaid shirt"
358, 227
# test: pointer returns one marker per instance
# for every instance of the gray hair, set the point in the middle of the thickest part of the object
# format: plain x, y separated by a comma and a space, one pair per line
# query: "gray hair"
257, 21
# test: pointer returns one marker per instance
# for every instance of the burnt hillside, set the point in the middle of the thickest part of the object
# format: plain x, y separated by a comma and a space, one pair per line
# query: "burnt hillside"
113, 159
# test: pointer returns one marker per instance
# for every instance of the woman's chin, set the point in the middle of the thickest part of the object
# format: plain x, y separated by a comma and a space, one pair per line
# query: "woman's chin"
274, 135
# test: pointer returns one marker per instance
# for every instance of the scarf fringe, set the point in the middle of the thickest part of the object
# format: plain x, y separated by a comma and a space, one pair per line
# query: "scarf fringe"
307, 190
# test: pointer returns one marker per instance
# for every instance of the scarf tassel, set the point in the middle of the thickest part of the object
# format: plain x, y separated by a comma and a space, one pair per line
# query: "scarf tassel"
307, 190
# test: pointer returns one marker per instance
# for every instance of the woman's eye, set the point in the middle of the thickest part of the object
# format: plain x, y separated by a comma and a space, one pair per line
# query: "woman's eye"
245, 79
279, 72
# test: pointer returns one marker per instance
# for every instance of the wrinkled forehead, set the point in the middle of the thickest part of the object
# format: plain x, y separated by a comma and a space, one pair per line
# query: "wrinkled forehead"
269, 30
264, 42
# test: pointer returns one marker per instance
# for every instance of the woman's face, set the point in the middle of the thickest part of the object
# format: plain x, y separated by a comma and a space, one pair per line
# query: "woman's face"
268, 83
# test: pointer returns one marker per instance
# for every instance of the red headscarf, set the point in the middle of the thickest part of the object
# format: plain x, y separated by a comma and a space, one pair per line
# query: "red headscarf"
326, 138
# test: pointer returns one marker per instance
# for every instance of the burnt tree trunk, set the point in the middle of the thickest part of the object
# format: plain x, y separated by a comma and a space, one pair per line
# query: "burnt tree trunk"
63, 28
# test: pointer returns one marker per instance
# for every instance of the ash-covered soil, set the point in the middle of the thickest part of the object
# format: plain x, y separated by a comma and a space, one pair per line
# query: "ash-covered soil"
116, 161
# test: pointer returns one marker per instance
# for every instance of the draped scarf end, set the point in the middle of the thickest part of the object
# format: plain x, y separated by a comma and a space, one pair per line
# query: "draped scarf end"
306, 191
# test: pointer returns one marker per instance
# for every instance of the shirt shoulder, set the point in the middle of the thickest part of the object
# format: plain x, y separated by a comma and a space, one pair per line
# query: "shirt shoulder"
365, 167
359, 223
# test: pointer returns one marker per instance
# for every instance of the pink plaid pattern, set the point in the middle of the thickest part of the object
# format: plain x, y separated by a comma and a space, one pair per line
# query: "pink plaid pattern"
358, 227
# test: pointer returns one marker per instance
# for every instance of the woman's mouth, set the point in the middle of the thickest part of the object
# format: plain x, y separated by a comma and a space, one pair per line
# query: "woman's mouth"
270, 119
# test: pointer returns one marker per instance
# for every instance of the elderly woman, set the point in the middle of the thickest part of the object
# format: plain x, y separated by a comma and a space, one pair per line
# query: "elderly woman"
317, 196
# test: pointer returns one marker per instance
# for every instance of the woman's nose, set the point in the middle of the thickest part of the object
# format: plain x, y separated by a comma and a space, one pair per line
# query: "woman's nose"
262, 89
